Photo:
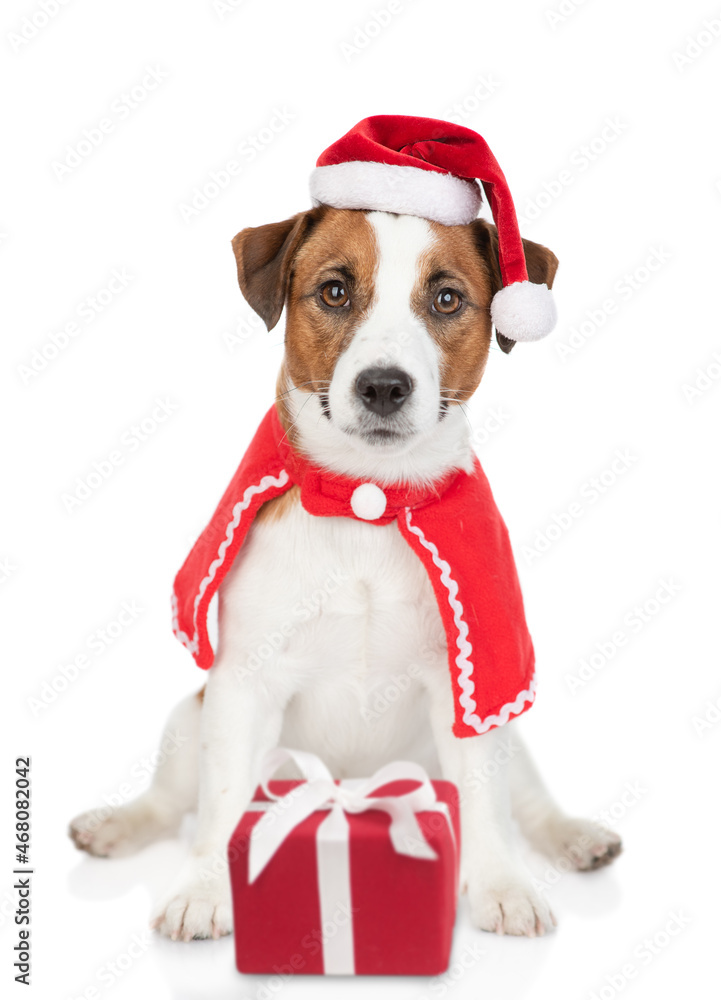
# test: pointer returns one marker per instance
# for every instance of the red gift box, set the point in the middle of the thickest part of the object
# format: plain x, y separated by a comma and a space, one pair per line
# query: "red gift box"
346, 878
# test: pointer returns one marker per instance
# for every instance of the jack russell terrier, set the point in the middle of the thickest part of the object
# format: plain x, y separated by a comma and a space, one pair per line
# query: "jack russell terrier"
358, 551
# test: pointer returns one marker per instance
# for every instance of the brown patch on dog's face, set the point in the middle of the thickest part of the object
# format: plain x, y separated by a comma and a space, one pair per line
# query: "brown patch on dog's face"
330, 294
299, 263
464, 260
453, 298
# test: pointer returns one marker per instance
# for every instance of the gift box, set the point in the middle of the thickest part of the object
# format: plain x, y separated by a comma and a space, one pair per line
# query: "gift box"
352, 877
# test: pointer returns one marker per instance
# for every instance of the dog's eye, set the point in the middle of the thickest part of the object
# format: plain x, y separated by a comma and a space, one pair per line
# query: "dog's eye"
447, 301
334, 293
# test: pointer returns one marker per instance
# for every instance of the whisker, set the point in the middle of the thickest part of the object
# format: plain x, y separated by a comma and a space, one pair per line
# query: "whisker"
310, 381
296, 419
465, 414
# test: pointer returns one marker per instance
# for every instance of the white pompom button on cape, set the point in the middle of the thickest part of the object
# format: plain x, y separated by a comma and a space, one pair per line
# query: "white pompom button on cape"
368, 502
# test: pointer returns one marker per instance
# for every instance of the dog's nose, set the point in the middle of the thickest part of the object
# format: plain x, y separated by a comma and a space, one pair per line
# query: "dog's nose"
384, 390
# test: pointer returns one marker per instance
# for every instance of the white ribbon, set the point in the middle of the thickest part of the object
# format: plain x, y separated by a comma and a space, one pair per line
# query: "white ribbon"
284, 813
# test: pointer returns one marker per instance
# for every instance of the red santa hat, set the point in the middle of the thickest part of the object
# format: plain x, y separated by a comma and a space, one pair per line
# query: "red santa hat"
431, 168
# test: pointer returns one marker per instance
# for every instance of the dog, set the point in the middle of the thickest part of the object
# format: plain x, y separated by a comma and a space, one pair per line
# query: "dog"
408, 301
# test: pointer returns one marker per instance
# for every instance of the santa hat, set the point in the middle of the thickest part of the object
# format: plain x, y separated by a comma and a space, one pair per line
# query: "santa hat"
431, 168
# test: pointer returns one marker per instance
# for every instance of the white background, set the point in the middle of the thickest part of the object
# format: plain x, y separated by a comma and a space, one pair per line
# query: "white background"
539, 89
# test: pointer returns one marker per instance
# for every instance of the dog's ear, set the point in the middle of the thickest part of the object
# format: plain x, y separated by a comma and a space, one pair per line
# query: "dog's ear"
264, 256
541, 265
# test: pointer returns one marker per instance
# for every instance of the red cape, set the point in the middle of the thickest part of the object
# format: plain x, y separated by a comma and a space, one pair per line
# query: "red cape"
454, 528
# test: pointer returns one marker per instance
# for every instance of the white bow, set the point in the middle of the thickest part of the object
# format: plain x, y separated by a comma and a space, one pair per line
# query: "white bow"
319, 791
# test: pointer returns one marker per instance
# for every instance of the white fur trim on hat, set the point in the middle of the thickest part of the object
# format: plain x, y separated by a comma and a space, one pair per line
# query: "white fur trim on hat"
524, 311
389, 187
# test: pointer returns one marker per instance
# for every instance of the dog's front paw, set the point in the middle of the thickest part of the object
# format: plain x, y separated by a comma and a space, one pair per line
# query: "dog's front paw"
198, 906
510, 906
